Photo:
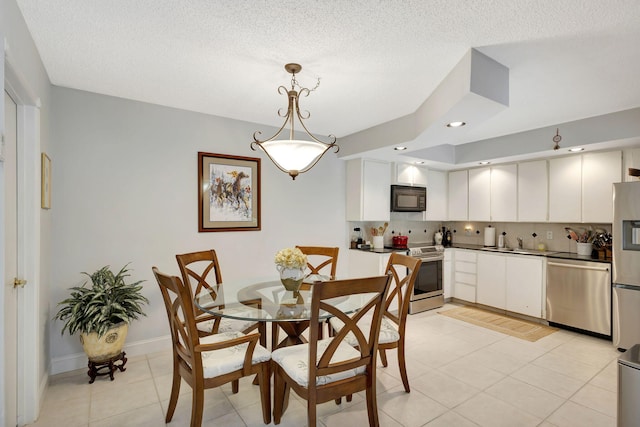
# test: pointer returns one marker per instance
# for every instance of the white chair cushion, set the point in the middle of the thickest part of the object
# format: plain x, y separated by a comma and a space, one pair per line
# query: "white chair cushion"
226, 325
295, 362
219, 362
388, 330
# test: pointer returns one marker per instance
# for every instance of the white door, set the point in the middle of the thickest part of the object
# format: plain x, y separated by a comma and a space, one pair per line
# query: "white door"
11, 262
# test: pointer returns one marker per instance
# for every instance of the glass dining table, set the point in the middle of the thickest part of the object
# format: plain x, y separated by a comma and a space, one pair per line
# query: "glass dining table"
268, 301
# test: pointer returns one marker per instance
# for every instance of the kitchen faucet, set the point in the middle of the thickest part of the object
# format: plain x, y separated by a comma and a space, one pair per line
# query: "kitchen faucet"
519, 239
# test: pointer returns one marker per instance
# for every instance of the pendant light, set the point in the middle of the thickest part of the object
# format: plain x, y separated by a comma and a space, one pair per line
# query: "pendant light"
294, 156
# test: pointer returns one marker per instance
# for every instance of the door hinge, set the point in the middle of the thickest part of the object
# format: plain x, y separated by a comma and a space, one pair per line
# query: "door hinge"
19, 282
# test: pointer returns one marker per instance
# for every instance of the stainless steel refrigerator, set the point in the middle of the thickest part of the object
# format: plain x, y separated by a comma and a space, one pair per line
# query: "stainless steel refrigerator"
626, 264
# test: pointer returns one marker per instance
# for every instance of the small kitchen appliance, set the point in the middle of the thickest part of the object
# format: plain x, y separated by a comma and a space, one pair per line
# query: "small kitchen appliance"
400, 241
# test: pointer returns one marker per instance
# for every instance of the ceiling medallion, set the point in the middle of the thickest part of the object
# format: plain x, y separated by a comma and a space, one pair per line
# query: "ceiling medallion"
294, 156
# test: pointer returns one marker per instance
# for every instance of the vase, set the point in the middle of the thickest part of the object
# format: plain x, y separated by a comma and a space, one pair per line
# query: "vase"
103, 348
291, 278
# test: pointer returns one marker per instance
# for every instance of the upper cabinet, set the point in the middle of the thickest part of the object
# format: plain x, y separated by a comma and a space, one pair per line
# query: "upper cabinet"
581, 187
368, 190
504, 193
533, 191
458, 196
599, 172
408, 174
480, 194
565, 189
436, 196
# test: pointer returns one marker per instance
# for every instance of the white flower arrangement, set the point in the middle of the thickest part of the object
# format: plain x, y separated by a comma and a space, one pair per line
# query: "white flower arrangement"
291, 258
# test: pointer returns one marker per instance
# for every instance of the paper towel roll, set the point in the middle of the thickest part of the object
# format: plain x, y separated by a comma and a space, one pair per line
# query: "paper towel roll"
489, 236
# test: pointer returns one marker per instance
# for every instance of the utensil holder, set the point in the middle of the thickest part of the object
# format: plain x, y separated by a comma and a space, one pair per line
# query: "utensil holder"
378, 242
584, 248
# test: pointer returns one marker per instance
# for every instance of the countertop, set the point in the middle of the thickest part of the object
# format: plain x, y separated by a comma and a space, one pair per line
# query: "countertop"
561, 255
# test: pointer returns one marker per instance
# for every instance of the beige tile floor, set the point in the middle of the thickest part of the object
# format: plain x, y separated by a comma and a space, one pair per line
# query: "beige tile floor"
460, 375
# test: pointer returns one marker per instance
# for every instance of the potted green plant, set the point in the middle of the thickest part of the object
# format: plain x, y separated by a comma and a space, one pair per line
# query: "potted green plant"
101, 310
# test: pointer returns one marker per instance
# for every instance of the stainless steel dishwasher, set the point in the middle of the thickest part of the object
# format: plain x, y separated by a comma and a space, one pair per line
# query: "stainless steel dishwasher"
579, 294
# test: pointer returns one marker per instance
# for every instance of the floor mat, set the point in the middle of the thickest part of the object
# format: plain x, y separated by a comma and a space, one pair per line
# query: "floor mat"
518, 328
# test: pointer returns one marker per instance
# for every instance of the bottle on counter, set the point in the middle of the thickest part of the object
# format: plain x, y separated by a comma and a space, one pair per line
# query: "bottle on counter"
448, 238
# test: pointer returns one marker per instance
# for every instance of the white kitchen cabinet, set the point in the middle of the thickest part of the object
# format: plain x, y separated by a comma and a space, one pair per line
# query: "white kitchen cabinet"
480, 194
408, 174
458, 192
525, 281
447, 273
367, 264
565, 189
436, 196
599, 172
464, 276
533, 191
491, 286
368, 190
504, 193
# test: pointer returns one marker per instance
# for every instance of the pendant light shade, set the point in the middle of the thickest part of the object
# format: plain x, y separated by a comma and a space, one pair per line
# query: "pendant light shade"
294, 156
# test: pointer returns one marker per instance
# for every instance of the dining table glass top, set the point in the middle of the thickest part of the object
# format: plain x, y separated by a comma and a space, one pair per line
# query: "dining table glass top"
268, 301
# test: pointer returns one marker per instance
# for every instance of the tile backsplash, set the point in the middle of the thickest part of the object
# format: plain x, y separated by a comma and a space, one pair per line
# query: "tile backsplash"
472, 232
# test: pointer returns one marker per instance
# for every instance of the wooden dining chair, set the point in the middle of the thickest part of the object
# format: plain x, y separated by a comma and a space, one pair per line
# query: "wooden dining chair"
321, 260
403, 270
324, 370
211, 361
201, 272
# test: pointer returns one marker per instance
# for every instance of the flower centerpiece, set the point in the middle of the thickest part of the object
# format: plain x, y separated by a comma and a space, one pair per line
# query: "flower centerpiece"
291, 263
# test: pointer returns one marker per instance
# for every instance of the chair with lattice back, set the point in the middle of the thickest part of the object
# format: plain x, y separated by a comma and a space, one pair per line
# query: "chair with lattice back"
201, 272
404, 271
326, 369
322, 262
209, 361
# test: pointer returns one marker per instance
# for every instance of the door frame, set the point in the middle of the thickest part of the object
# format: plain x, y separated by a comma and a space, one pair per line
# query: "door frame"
31, 340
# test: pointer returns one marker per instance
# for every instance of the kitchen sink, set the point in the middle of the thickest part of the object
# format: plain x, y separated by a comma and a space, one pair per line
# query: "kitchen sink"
519, 251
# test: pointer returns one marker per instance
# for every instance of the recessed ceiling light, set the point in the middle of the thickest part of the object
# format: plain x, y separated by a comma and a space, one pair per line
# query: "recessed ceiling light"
576, 149
455, 124
400, 148
484, 163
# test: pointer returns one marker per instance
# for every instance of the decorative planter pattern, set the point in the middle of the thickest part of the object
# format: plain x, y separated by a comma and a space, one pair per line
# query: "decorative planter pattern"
101, 349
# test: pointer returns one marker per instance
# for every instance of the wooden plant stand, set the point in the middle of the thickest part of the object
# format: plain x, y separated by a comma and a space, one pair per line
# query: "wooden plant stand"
107, 367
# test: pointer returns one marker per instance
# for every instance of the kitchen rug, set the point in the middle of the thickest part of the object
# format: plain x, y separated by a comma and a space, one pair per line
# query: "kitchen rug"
518, 328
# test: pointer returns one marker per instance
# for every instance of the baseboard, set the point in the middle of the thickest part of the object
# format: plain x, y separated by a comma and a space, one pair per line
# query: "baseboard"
138, 348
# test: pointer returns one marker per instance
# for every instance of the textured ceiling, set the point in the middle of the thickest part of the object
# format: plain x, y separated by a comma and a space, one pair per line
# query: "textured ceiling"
377, 60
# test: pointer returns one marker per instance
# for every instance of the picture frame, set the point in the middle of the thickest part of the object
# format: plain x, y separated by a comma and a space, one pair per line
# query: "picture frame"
228, 192
45, 173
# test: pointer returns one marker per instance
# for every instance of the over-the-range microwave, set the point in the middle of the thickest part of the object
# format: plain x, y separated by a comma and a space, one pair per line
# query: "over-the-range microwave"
405, 198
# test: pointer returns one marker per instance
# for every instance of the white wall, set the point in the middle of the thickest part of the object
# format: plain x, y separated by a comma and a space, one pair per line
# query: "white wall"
125, 190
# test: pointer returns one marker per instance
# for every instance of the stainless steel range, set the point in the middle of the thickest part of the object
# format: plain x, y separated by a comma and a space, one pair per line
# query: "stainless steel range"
427, 291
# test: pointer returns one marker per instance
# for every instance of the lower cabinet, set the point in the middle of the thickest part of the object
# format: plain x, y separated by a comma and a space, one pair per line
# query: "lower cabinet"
525, 281
511, 282
365, 264
464, 275
492, 280
447, 273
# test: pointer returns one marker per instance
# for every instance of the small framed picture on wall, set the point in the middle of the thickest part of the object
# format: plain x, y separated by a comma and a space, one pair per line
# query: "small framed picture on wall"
45, 192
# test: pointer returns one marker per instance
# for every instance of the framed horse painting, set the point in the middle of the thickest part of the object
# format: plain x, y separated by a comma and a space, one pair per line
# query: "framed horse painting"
228, 193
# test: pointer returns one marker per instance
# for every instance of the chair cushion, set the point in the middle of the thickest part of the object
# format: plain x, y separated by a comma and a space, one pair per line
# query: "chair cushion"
226, 325
295, 362
388, 330
219, 362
